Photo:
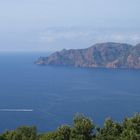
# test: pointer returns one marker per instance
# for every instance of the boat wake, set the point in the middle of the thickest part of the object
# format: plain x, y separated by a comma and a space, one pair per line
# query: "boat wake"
16, 110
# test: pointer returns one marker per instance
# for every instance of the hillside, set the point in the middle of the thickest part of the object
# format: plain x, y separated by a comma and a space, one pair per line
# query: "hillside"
105, 55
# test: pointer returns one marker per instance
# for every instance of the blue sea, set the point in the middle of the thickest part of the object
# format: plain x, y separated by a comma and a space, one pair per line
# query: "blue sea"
48, 96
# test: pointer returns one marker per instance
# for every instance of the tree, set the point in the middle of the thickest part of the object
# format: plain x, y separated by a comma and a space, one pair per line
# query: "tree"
48, 136
110, 131
83, 128
64, 132
131, 128
21, 133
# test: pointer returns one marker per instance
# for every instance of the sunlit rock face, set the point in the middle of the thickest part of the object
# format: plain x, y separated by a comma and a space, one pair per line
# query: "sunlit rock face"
103, 55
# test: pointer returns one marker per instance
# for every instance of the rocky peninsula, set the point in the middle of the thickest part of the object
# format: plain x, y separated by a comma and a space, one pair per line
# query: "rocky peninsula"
102, 55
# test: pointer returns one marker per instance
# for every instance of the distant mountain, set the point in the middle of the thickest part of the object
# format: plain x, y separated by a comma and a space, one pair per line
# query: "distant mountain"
105, 55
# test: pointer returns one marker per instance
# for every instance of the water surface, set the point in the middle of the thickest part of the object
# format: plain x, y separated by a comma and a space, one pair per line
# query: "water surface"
47, 96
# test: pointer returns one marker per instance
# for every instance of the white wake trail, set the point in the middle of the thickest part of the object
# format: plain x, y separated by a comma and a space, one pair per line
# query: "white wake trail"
16, 110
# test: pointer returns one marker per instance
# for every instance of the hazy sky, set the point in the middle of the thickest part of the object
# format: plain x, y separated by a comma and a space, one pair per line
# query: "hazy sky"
48, 25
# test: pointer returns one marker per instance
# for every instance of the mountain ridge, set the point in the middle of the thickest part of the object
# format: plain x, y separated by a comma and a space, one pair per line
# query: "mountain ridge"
100, 55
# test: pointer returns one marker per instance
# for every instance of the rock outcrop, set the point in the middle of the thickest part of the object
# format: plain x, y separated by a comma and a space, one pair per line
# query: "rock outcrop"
105, 55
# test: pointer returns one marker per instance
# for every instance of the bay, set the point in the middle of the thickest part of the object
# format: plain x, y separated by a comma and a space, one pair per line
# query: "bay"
48, 96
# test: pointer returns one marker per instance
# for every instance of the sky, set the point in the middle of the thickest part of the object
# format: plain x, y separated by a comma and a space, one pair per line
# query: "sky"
51, 25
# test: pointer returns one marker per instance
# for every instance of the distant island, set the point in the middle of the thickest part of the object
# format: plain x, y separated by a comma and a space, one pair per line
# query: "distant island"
102, 55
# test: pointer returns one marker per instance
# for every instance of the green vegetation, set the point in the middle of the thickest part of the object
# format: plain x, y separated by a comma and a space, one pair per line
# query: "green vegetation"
82, 129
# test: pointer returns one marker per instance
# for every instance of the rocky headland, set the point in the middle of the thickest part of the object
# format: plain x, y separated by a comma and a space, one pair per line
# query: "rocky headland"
103, 55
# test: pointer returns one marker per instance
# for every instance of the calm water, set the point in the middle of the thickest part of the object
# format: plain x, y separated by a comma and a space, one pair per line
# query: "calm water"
48, 96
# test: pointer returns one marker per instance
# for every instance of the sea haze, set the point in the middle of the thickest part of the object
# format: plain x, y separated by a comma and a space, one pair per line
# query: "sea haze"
47, 96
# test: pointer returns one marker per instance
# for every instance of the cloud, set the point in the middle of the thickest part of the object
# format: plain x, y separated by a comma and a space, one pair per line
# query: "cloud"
58, 38
54, 35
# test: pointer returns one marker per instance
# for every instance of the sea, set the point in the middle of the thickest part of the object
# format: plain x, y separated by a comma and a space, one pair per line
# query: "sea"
49, 96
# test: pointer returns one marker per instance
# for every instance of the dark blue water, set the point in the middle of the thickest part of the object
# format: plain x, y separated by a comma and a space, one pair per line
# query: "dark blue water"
55, 94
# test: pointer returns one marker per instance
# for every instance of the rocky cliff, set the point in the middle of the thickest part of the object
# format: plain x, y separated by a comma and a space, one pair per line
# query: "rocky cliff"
106, 55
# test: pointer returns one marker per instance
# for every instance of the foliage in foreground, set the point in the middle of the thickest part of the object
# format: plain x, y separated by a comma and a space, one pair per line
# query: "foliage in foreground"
82, 129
